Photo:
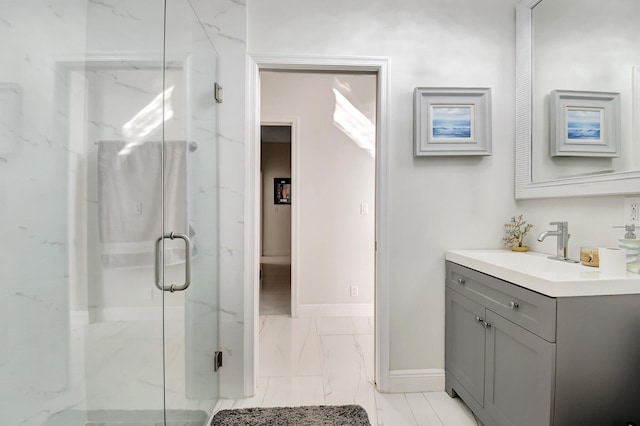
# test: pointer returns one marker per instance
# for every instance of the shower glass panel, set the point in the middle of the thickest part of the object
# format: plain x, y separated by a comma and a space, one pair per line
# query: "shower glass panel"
191, 320
107, 143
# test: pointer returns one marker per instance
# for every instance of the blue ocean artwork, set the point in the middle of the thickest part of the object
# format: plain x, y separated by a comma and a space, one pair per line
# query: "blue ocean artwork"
451, 122
583, 124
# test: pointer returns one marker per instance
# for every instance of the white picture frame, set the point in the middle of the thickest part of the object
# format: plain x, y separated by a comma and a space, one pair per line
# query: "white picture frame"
584, 124
452, 121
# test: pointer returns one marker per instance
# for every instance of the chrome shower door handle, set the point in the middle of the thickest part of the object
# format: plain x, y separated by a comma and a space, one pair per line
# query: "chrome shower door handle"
187, 263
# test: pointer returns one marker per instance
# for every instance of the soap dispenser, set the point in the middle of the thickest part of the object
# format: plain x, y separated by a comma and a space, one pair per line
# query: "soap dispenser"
631, 244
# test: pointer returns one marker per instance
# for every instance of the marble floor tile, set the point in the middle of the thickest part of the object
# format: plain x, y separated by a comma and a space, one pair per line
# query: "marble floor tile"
256, 400
335, 325
345, 374
393, 410
365, 345
363, 325
451, 411
422, 411
294, 391
289, 347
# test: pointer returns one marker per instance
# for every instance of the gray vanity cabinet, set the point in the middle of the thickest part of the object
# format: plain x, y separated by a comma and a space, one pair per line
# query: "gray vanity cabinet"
503, 371
518, 357
465, 343
519, 372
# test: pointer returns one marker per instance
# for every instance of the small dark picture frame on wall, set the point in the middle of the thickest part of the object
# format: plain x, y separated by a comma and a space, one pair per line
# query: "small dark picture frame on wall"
282, 191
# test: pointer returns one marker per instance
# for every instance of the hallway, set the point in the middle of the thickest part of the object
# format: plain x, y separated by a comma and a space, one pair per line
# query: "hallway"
275, 289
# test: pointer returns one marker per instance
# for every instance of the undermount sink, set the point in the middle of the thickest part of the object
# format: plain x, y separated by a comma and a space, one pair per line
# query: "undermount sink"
539, 273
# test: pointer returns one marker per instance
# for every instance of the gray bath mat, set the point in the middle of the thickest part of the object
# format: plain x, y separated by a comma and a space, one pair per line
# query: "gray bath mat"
322, 415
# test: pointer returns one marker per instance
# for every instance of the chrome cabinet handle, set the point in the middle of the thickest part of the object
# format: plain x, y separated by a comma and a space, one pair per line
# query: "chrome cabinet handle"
486, 324
479, 319
461, 281
513, 305
187, 263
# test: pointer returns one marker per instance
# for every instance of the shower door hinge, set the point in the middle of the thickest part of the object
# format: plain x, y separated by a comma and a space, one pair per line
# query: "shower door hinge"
217, 92
217, 361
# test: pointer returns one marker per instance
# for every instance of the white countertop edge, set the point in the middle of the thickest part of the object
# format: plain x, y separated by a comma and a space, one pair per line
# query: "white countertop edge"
599, 285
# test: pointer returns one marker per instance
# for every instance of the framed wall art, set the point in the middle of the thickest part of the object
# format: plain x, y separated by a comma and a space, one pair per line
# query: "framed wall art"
584, 124
452, 121
281, 190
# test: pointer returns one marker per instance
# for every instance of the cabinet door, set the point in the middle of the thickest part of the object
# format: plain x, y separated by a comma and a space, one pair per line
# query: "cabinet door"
464, 343
520, 368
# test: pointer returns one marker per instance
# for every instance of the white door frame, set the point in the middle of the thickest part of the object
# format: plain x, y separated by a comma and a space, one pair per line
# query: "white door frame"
293, 123
379, 66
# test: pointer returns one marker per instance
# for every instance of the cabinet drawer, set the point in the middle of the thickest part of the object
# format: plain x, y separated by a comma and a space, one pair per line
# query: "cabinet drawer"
532, 311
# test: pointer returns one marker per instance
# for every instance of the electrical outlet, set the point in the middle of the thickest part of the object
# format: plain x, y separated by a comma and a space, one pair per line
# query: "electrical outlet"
631, 210
354, 291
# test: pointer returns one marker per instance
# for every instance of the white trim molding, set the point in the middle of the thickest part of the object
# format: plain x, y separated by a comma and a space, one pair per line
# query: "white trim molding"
252, 229
379, 66
337, 310
406, 381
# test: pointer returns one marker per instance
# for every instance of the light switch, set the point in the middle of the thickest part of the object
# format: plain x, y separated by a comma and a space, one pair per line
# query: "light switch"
364, 208
137, 208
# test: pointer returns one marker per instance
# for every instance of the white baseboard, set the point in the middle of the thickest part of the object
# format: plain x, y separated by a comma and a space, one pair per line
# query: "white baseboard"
337, 310
172, 313
406, 381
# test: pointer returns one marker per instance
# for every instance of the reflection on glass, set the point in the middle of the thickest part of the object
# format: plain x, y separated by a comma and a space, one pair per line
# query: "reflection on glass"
147, 121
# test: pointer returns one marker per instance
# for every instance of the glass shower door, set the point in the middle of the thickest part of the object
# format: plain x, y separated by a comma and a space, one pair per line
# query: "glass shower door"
107, 143
80, 208
191, 330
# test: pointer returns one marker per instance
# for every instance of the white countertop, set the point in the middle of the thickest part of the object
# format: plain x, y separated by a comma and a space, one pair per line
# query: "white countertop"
550, 277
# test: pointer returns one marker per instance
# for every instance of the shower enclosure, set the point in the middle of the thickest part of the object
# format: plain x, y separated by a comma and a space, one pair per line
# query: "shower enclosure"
108, 211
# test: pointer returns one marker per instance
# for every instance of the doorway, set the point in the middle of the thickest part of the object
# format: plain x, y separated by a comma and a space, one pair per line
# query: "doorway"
329, 190
379, 67
275, 253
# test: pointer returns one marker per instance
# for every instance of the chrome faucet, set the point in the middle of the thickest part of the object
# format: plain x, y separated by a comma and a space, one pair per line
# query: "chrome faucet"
562, 232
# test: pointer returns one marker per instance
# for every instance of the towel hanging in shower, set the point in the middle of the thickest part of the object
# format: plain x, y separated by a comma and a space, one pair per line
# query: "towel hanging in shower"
130, 201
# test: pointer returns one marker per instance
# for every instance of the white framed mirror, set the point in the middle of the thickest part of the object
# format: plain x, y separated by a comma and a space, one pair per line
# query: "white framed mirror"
558, 49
